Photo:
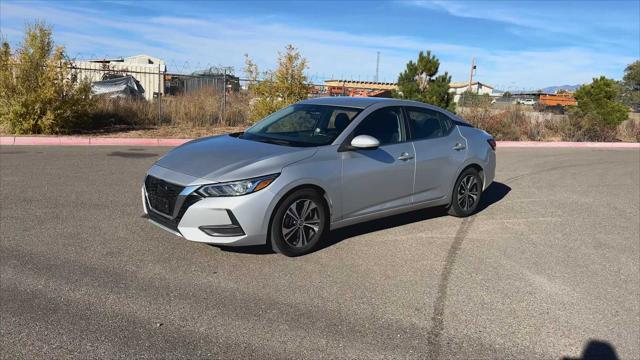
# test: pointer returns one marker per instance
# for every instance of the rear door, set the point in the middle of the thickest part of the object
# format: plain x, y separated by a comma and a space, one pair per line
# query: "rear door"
382, 178
440, 150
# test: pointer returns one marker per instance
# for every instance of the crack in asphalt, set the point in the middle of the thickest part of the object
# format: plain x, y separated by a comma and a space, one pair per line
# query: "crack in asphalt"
434, 343
437, 319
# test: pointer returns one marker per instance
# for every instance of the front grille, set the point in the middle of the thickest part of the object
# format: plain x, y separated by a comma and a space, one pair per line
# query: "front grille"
173, 223
162, 195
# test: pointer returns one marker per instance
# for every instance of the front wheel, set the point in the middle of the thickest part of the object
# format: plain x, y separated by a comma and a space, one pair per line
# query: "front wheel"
299, 223
466, 194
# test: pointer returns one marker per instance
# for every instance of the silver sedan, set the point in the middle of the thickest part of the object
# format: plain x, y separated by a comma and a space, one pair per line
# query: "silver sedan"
319, 165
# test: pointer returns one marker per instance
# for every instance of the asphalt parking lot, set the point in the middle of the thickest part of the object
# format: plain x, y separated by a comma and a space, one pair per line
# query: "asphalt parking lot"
548, 269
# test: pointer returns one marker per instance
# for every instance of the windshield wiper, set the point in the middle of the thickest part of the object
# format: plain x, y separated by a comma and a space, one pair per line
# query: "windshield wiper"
274, 141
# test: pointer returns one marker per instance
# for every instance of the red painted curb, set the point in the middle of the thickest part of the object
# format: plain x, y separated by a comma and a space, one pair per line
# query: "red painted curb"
124, 141
566, 144
36, 140
6, 140
103, 141
172, 142
75, 140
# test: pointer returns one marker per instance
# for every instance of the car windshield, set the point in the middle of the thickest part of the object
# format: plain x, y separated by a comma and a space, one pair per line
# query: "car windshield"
302, 125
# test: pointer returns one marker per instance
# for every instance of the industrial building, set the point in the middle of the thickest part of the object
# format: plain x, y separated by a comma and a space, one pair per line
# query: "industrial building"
359, 88
476, 87
382, 89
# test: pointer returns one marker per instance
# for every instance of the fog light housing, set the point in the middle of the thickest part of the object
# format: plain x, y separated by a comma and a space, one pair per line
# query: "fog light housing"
222, 230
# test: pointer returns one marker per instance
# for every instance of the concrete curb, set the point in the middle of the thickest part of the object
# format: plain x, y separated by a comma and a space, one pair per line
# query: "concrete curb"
567, 144
104, 141
88, 141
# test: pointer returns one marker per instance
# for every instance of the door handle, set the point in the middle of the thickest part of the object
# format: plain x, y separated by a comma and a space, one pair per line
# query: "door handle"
459, 147
405, 156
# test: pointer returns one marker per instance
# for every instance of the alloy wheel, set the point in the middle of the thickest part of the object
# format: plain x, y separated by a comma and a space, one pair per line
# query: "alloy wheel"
468, 192
301, 223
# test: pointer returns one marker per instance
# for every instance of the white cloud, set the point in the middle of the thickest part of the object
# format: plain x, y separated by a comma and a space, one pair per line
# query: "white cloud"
589, 23
188, 43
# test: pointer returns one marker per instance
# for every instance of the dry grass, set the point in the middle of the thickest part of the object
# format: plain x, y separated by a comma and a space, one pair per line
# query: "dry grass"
515, 123
192, 115
630, 130
201, 109
512, 123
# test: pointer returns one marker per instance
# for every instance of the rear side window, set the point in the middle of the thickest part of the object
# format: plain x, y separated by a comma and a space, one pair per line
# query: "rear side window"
428, 124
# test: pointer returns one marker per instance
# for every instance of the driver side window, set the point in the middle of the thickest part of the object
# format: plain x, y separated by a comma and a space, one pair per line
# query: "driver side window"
384, 124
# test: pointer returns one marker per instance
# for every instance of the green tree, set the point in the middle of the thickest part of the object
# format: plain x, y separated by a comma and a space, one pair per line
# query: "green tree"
598, 100
630, 86
419, 82
506, 94
39, 93
280, 88
598, 113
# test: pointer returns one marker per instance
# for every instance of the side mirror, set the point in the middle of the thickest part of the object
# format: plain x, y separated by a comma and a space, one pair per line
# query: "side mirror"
365, 142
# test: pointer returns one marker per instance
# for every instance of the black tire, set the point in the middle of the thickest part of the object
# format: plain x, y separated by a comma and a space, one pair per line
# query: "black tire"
293, 236
463, 203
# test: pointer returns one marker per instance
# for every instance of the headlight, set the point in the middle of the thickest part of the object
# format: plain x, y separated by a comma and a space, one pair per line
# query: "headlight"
237, 188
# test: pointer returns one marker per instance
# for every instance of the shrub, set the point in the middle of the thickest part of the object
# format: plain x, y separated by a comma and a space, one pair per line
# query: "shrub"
583, 128
277, 89
39, 93
471, 99
630, 86
629, 130
597, 115
511, 124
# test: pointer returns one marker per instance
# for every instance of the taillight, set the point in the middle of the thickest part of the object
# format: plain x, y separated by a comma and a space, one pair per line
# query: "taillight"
492, 143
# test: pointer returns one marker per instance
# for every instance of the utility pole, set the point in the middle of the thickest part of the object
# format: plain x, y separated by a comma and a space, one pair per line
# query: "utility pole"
224, 94
473, 69
377, 66
159, 94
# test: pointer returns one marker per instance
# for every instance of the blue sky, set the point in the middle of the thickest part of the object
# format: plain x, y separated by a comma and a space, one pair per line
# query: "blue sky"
518, 45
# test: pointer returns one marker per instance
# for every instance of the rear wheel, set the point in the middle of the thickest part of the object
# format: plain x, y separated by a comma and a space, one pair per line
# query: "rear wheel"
299, 223
466, 193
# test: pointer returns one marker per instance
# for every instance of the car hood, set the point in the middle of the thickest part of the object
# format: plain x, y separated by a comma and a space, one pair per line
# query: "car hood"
226, 158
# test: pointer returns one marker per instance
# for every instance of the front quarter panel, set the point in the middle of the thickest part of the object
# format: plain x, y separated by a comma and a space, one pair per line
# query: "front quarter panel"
322, 170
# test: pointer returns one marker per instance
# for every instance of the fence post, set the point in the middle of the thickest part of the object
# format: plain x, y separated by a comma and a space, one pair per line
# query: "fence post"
159, 95
224, 94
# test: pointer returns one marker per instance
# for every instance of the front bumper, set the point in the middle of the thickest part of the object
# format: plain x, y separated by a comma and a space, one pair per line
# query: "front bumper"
248, 212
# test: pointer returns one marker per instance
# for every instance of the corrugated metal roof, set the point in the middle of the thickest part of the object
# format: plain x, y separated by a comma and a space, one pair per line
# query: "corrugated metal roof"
358, 102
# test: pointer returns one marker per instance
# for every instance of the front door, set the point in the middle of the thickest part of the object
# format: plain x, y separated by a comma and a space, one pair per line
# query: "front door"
382, 178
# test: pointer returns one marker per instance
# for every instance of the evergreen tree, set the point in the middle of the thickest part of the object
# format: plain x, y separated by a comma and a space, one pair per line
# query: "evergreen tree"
419, 82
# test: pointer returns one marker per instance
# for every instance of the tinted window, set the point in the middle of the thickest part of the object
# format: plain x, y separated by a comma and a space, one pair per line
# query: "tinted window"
428, 124
384, 125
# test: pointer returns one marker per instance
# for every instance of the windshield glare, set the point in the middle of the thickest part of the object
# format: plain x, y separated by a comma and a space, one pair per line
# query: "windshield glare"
302, 125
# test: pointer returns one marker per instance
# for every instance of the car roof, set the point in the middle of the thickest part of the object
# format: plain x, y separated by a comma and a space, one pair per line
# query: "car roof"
358, 102
363, 102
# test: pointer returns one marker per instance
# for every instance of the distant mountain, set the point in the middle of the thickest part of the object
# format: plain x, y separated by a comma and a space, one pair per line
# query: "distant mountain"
553, 89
